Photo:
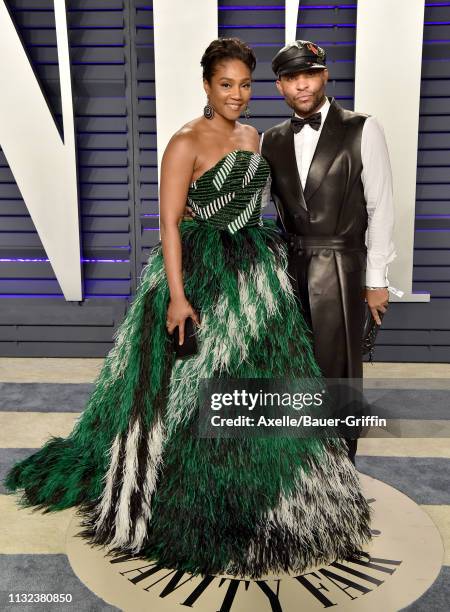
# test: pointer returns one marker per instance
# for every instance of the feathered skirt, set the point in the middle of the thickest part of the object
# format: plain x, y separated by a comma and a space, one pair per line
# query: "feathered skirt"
145, 484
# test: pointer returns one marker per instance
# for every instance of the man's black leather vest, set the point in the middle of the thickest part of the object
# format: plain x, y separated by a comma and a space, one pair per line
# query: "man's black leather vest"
325, 228
335, 206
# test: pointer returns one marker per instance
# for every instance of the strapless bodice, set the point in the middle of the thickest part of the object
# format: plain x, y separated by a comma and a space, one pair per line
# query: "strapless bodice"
228, 195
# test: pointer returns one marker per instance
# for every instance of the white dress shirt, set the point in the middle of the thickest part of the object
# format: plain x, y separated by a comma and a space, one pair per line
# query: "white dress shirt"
376, 177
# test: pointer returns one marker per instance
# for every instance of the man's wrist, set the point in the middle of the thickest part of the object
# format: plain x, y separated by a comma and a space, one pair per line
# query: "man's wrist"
376, 277
373, 288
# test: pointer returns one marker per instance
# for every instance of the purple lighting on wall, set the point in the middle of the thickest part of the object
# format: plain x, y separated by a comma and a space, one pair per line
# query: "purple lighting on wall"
245, 7
277, 7
61, 297
107, 260
33, 259
2, 259
278, 26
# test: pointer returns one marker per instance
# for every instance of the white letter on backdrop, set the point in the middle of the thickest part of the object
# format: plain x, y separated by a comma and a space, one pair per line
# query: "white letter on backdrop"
43, 166
379, 82
182, 31
391, 92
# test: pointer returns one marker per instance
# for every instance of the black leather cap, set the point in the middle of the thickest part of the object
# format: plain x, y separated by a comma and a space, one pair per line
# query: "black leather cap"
297, 56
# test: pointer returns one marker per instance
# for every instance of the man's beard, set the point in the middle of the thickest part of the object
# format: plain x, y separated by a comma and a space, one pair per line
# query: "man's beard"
316, 101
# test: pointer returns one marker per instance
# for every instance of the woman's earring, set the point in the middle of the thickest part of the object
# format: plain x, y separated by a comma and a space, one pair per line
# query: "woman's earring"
246, 112
208, 111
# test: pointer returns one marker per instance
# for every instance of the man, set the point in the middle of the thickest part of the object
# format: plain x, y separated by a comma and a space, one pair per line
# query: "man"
331, 183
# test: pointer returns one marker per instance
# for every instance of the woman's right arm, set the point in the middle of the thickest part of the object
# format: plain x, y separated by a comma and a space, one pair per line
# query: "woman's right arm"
176, 173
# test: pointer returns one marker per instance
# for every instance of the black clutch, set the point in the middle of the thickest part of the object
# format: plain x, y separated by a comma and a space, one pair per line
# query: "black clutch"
370, 332
189, 346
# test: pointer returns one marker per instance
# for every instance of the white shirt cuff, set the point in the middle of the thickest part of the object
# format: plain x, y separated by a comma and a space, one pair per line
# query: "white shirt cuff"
376, 277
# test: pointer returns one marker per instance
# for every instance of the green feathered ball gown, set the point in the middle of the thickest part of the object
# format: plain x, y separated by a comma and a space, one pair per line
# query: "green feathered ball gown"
143, 482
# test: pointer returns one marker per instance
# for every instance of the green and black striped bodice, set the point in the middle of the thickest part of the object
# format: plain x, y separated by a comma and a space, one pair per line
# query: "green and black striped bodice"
228, 195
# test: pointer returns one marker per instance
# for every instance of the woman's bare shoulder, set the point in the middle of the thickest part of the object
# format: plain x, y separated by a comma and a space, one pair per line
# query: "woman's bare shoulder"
185, 140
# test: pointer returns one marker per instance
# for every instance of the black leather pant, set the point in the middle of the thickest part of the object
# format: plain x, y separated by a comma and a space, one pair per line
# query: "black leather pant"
332, 362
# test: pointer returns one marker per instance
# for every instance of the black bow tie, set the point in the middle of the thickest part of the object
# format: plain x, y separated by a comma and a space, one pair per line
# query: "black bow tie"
314, 121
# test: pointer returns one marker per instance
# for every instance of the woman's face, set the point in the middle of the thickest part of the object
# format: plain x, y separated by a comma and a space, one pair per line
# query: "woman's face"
230, 88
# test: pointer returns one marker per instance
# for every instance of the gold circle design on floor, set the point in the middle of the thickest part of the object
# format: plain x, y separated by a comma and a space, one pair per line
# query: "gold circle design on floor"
405, 558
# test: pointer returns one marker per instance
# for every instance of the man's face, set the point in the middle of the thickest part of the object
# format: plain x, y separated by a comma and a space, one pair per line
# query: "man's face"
304, 91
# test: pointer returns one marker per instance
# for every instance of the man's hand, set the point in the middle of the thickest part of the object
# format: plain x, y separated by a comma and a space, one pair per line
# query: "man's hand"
377, 300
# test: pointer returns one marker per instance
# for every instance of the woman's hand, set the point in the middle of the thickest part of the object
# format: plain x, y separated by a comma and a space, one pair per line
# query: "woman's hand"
177, 313
188, 213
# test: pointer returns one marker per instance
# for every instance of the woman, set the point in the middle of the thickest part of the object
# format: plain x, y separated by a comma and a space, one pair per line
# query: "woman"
144, 483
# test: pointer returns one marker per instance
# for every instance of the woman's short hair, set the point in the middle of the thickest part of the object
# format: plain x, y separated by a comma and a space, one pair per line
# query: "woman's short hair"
223, 49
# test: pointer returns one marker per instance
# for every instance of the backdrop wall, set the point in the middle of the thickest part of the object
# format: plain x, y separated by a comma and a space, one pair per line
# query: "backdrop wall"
114, 99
